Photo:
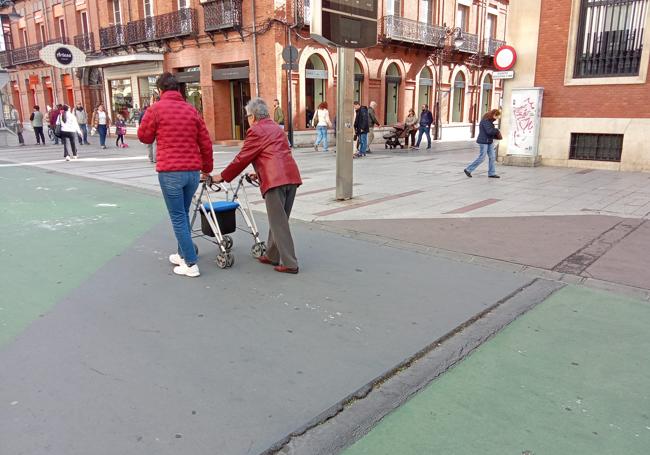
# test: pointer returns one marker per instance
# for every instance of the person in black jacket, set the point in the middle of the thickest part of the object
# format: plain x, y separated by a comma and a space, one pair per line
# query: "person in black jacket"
426, 119
361, 127
487, 133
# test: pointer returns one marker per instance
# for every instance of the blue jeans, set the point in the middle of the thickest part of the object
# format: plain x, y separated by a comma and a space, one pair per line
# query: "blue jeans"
102, 130
424, 130
321, 136
484, 149
363, 143
178, 188
83, 139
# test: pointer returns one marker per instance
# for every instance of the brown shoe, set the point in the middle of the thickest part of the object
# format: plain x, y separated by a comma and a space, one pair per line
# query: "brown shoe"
266, 260
283, 269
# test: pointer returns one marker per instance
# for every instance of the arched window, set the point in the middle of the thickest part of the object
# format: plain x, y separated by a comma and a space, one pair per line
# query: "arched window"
315, 85
486, 95
393, 81
358, 81
459, 98
425, 88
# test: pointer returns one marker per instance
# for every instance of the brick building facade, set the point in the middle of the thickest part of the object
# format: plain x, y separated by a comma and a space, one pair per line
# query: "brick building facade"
592, 60
223, 57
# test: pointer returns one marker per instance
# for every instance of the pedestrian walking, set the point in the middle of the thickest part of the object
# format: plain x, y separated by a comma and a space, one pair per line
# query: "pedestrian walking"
82, 120
278, 115
37, 124
486, 135
69, 131
120, 131
151, 148
52, 118
322, 122
101, 122
267, 149
410, 123
361, 127
426, 119
15, 116
184, 151
372, 117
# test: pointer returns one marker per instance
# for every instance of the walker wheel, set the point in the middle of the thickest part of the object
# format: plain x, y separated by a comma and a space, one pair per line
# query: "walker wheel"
227, 242
221, 260
230, 260
258, 250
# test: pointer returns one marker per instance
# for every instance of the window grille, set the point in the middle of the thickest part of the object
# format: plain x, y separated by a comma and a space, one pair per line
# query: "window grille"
596, 147
610, 38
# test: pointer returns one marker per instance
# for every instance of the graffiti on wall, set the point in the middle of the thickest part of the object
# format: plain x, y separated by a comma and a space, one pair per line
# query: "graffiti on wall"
525, 120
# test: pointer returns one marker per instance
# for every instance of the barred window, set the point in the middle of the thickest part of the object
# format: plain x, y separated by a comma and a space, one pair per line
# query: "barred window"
596, 147
610, 37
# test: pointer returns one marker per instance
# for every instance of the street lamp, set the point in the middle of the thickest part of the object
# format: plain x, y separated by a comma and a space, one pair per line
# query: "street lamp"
458, 41
13, 14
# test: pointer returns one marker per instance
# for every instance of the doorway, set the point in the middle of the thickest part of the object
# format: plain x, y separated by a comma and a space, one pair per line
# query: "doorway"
486, 95
393, 80
240, 95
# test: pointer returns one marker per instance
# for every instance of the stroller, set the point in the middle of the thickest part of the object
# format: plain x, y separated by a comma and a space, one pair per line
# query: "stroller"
219, 218
397, 132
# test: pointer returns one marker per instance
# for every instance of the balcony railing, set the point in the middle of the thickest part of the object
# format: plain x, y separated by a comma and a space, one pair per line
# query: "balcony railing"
491, 45
470, 43
6, 59
85, 42
395, 28
222, 15
29, 54
165, 26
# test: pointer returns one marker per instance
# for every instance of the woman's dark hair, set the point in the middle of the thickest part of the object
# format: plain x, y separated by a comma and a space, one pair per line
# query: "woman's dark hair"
323, 105
36, 108
166, 82
65, 108
491, 115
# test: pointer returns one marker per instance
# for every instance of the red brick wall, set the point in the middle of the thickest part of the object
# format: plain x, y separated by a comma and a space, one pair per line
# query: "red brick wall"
600, 101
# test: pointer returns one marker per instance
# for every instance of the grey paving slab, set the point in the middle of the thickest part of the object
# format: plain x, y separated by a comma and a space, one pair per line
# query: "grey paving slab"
137, 361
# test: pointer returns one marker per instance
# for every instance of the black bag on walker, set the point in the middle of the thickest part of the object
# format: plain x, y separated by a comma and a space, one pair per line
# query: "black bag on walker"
225, 212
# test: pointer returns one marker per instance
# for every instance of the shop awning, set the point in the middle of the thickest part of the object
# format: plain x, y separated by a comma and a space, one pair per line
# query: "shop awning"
123, 59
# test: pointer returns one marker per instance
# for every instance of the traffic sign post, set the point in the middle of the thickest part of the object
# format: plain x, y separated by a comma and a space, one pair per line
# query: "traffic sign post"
347, 25
289, 55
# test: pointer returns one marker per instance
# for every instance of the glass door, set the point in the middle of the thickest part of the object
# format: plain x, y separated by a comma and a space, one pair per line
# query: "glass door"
240, 95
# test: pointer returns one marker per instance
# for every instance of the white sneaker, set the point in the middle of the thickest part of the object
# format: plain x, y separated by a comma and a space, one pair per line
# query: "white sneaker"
175, 259
74, 157
67, 158
183, 269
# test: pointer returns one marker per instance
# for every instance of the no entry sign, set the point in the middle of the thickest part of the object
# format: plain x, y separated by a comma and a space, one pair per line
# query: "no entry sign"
505, 58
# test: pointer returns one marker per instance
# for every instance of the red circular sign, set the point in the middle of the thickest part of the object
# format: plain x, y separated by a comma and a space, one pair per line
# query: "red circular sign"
505, 58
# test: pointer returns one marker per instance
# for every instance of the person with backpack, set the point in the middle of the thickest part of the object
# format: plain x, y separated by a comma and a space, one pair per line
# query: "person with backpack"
68, 128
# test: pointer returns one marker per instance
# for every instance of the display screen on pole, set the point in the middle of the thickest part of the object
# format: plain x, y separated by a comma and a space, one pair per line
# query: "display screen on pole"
345, 23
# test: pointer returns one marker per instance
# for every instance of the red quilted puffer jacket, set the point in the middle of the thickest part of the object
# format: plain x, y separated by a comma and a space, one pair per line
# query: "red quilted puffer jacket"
182, 140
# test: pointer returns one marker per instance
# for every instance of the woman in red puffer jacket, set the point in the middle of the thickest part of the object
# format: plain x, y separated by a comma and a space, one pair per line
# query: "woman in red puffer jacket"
184, 150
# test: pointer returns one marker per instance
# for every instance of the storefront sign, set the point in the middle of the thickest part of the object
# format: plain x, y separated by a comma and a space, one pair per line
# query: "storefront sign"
226, 74
525, 118
316, 74
188, 76
62, 56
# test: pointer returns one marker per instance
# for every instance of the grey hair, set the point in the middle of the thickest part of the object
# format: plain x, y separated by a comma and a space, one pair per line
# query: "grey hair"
257, 107
373, 104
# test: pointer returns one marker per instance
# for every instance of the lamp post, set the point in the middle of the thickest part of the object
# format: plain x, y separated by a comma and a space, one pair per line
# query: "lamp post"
446, 49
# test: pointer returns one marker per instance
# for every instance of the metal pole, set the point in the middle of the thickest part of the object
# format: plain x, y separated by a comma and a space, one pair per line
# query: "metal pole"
257, 71
344, 119
289, 90
439, 99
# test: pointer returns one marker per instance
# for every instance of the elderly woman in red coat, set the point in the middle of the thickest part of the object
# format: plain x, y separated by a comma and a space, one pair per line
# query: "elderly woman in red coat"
267, 149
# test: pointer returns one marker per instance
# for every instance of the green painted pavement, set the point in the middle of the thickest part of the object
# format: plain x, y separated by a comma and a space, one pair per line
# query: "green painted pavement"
58, 230
569, 377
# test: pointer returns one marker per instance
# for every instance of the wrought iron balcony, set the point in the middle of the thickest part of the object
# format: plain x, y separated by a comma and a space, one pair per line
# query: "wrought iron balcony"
29, 54
85, 42
222, 15
165, 26
470, 43
491, 45
395, 28
6, 59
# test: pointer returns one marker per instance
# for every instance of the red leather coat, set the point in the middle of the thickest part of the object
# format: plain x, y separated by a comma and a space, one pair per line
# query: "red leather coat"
267, 149
182, 140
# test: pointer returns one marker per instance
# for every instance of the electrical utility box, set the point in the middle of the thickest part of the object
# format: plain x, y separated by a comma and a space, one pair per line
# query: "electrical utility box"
344, 23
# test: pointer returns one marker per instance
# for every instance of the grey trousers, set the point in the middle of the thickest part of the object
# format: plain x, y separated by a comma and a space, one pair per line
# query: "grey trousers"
279, 247
371, 136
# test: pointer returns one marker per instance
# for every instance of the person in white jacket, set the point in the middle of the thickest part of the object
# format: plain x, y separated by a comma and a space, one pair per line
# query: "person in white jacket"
69, 130
322, 122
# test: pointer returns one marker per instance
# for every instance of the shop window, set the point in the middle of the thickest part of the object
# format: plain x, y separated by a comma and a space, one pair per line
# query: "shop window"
148, 90
358, 82
596, 147
459, 98
122, 99
393, 81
